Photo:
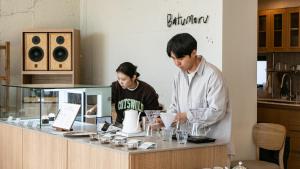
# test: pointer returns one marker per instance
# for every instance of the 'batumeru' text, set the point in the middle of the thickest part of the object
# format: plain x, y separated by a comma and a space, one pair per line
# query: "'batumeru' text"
180, 20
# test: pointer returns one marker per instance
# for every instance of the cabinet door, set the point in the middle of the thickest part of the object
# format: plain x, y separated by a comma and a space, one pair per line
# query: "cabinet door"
43, 151
89, 156
294, 155
10, 147
293, 18
263, 39
278, 29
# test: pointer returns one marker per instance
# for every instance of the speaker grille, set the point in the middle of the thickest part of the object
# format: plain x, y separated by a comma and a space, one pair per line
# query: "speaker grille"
36, 54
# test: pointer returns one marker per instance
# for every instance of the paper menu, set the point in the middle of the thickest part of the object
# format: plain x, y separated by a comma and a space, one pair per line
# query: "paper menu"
147, 145
66, 116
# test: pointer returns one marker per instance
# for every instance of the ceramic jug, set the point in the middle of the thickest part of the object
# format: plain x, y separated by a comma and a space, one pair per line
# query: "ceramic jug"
131, 121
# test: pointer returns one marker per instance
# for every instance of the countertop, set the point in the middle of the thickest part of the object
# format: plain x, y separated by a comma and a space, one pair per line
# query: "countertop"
278, 102
78, 126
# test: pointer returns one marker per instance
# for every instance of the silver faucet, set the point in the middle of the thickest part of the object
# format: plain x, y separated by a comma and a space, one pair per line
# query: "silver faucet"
290, 84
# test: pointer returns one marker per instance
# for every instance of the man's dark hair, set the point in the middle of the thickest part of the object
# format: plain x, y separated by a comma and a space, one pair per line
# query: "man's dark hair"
181, 44
128, 69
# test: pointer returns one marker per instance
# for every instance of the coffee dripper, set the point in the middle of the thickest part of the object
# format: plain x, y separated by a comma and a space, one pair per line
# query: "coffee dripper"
198, 126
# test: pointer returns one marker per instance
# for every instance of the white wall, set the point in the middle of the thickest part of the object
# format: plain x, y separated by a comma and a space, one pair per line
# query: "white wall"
19, 15
272, 4
117, 31
239, 68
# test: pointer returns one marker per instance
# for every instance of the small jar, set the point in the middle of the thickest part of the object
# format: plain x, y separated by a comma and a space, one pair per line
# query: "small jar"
132, 145
104, 140
119, 141
93, 137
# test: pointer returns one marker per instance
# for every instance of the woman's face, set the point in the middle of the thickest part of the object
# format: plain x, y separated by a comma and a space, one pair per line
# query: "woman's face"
125, 81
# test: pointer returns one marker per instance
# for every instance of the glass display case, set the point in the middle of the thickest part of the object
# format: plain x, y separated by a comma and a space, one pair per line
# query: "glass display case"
39, 104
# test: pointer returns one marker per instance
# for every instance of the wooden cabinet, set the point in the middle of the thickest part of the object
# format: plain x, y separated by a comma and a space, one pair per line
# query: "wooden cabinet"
82, 156
24, 148
10, 147
289, 116
41, 150
294, 156
293, 31
278, 30
94, 157
264, 31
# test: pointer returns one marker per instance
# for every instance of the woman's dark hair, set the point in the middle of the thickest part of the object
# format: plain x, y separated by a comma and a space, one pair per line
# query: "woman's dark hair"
128, 69
181, 44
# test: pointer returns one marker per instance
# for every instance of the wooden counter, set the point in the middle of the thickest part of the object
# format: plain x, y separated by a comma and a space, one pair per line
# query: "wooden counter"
38, 148
10, 147
289, 116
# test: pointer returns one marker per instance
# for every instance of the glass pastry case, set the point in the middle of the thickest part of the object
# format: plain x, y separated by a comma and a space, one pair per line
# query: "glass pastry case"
39, 104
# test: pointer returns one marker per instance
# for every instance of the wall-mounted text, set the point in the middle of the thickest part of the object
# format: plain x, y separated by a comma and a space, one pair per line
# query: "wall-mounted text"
181, 21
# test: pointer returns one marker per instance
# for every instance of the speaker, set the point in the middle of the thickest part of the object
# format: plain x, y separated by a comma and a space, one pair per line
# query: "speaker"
35, 51
60, 51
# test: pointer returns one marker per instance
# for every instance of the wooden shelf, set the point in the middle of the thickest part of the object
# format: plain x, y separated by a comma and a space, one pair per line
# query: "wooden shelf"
283, 71
48, 78
47, 72
37, 99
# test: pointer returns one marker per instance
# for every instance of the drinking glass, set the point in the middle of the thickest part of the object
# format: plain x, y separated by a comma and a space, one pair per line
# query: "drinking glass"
181, 136
148, 128
167, 133
182, 131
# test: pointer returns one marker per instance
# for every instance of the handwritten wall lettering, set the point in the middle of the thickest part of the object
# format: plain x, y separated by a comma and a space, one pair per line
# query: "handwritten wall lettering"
180, 20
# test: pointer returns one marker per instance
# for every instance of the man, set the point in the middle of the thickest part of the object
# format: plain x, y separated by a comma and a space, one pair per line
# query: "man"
199, 90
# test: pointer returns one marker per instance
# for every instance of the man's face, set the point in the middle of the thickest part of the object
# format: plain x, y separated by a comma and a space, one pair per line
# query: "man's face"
185, 63
125, 81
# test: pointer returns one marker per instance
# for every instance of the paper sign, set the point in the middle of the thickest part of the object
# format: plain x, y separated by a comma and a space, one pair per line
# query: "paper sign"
66, 116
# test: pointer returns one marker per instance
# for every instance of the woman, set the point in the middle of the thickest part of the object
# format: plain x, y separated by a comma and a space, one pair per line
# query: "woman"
128, 92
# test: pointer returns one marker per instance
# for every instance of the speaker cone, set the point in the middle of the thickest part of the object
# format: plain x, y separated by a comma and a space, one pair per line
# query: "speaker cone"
36, 54
60, 54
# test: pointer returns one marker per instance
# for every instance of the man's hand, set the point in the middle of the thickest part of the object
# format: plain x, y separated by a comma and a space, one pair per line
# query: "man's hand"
181, 117
157, 124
